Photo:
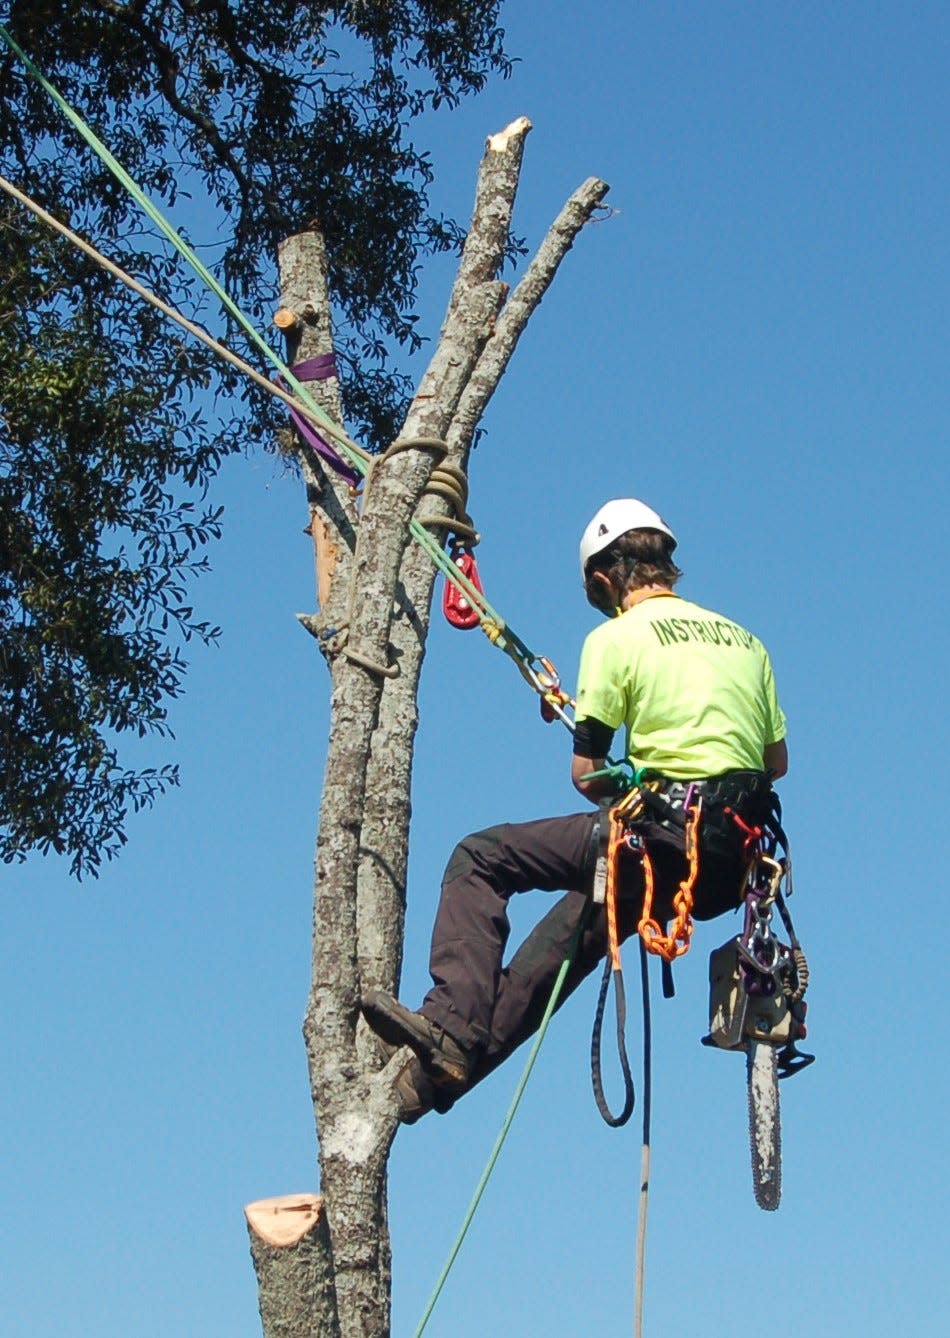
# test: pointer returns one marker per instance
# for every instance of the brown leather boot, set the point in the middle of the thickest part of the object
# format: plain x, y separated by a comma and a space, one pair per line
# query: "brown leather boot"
442, 1058
414, 1089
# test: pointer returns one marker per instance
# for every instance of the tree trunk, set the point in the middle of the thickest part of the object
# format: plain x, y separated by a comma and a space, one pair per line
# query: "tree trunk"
372, 627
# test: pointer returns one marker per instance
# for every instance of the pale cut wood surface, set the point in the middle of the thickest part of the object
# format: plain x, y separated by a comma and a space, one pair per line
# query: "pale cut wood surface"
284, 1220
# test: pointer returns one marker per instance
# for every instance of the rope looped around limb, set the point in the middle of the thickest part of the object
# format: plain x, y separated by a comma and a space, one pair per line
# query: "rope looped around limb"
447, 480
450, 482
394, 448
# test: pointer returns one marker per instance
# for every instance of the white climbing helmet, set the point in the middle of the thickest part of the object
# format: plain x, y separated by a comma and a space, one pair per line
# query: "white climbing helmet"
615, 518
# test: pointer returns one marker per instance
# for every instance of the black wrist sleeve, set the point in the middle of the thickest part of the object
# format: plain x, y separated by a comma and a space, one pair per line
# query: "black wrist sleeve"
592, 738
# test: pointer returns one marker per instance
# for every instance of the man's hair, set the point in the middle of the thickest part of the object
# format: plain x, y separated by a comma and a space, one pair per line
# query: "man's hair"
635, 559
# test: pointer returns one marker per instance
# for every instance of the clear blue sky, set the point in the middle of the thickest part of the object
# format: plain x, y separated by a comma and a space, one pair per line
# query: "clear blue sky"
756, 343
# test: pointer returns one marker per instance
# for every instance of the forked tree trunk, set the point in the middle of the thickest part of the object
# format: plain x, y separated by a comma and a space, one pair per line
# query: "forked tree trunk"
376, 592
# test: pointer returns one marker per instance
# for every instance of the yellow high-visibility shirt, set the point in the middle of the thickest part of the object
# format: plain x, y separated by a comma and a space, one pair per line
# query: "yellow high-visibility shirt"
695, 690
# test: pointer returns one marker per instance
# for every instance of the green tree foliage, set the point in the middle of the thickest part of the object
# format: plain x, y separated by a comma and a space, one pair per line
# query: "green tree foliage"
276, 112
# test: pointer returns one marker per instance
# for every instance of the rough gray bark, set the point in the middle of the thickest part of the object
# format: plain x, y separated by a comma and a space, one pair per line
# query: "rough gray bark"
372, 632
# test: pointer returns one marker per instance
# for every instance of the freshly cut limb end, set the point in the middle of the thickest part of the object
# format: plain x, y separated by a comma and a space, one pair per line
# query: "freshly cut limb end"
284, 1220
499, 142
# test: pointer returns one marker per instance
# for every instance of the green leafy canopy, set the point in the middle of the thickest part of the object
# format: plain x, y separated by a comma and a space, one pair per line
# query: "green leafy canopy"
277, 114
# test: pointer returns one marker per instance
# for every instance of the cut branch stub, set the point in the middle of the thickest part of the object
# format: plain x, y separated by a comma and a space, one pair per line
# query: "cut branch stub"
293, 1259
287, 320
284, 1220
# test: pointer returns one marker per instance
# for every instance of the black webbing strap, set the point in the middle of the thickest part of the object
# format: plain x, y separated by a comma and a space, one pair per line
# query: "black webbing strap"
629, 1100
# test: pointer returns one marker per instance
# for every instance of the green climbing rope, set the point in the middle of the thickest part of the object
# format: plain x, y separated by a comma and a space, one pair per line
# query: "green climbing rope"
180, 245
506, 1124
491, 621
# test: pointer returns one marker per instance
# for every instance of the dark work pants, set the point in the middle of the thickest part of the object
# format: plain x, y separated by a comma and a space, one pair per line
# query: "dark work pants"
491, 1008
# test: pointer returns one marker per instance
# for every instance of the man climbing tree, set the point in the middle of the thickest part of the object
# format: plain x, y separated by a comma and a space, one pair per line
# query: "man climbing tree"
704, 734
323, 1262
692, 689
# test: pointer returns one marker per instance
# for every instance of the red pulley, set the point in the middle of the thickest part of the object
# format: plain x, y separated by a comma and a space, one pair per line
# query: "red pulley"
455, 605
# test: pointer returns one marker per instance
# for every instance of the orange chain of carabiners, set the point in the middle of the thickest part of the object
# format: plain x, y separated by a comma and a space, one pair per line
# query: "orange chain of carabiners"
628, 806
675, 942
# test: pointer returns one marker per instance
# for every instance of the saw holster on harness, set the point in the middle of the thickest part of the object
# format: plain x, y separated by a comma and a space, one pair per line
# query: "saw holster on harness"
756, 982
735, 1015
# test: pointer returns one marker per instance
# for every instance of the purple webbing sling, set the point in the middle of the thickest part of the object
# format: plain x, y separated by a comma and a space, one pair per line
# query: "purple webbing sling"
318, 369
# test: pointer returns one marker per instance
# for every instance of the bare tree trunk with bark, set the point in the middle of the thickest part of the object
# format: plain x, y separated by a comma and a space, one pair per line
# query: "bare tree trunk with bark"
323, 1264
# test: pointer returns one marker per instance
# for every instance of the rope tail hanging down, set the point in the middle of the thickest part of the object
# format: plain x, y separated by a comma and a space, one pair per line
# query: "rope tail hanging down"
668, 945
643, 1203
507, 1122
